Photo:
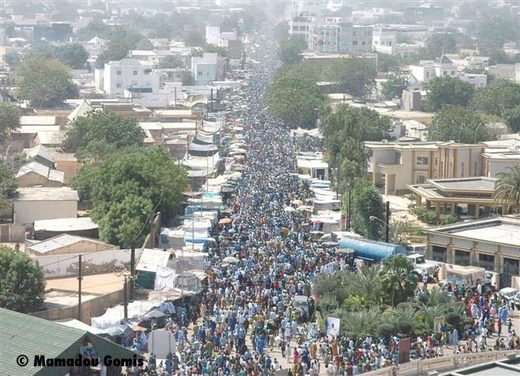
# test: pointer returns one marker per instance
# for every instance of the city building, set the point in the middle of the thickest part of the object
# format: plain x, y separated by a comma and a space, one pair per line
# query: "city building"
396, 165
207, 68
66, 244
36, 174
492, 244
128, 75
340, 38
300, 25
33, 204
471, 196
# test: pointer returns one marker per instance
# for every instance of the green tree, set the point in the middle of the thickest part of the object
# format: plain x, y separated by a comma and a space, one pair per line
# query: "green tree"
194, 38
45, 83
458, 124
221, 51
8, 186
388, 63
447, 90
437, 45
290, 50
9, 120
22, 284
13, 59
170, 62
398, 279
512, 118
497, 97
354, 76
127, 186
74, 55
281, 31
394, 86
507, 188
347, 128
495, 31
100, 133
367, 203
294, 95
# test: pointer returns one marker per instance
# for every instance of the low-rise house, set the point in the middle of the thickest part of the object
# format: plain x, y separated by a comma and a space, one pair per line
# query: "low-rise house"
35, 174
33, 204
207, 68
66, 244
48, 228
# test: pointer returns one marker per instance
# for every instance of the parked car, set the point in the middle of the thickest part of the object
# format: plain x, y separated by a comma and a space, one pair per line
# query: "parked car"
509, 294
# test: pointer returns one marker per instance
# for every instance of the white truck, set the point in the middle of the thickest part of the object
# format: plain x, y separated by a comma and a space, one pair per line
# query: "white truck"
470, 276
422, 265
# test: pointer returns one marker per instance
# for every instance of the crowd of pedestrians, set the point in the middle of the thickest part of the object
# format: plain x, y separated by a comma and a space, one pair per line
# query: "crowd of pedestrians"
246, 312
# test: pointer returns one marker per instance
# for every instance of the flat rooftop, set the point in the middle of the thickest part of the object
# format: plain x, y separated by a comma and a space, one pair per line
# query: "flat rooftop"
468, 184
47, 194
62, 299
495, 230
91, 284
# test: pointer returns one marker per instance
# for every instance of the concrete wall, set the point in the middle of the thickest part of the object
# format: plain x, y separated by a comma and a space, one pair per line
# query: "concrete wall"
26, 212
91, 308
12, 233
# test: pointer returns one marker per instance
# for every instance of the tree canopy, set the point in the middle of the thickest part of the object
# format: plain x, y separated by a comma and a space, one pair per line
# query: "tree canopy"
447, 90
394, 86
45, 83
294, 96
169, 62
8, 186
367, 203
354, 76
100, 133
9, 119
22, 284
458, 124
126, 188
73, 55
290, 50
508, 188
497, 97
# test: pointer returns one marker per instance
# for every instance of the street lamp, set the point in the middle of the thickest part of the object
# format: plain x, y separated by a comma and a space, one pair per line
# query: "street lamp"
387, 226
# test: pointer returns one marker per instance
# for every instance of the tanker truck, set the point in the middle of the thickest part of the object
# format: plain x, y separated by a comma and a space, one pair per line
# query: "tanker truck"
371, 250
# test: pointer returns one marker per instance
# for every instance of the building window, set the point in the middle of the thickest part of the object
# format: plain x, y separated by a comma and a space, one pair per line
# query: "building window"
134, 73
420, 179
118, 73
486, 261
462, 258
422, 161
354, 43
118, 86
462, 170
439, 254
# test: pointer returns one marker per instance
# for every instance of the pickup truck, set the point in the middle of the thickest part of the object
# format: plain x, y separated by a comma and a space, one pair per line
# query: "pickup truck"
422, 265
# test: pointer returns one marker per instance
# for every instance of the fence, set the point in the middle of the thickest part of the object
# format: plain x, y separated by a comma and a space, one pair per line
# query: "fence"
445, 363
93, 263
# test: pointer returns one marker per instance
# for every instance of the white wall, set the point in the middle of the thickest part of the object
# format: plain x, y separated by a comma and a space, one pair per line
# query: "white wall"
26, 212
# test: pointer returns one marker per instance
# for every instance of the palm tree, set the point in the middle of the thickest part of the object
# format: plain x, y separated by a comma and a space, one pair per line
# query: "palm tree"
397, 278
507, 188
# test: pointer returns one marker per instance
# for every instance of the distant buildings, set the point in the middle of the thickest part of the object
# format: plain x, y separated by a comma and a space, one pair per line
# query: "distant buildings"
207, 68
122, 78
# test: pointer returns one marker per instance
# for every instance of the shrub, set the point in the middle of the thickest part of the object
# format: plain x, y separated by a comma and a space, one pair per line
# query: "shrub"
385, 330
425, 215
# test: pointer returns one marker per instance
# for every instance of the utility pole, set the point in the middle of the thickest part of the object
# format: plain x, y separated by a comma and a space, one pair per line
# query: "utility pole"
80, 277
132, 271
387, 221
125, 291
349, 209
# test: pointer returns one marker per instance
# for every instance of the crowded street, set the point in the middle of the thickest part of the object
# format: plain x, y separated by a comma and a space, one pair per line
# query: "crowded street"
245, 322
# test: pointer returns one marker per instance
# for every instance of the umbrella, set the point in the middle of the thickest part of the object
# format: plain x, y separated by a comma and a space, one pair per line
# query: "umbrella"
330, 244
225, 221
289, 209
154, 314
296, 202
231, 260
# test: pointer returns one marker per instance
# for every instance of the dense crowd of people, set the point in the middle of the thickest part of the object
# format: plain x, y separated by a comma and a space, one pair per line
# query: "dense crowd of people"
246, 310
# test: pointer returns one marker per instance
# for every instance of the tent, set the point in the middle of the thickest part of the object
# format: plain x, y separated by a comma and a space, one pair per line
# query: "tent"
151, 260
113, 316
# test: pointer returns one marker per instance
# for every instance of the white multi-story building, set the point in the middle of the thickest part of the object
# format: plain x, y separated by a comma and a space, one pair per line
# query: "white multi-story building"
340, 38
301, 25
130, 75
207, 68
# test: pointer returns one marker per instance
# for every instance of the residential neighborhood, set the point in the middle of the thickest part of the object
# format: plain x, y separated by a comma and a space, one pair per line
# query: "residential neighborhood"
237, 187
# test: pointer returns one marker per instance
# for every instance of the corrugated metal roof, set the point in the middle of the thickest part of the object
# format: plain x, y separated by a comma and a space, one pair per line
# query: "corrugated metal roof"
152, 259
61, 241
30, 336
